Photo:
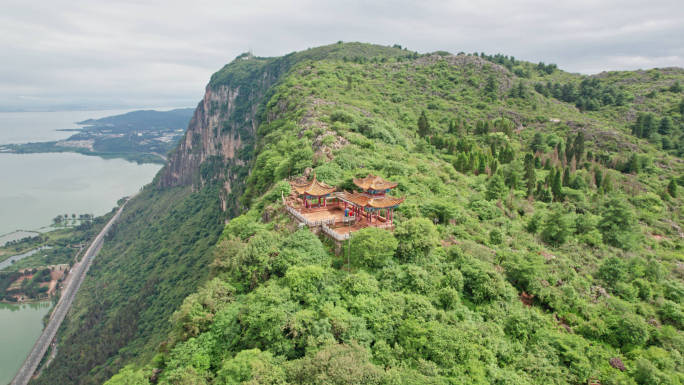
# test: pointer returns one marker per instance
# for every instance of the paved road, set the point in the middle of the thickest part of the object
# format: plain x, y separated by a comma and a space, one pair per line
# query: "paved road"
77, 275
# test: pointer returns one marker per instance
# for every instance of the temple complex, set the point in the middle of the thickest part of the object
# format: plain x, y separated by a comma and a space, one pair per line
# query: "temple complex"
338, 214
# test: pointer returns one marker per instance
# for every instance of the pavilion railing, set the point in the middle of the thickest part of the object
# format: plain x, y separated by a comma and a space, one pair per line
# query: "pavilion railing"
334, 234
325, 224
298, 216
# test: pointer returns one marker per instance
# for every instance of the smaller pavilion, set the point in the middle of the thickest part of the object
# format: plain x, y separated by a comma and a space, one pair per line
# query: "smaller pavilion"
374, 185
373, 203
311, 190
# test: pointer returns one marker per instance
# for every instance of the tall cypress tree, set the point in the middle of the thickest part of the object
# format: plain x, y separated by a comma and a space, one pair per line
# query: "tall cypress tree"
556, 186
566, 176
530, 176
672, 188
648, 126
578, 146
598, 177
423, 125
665, 127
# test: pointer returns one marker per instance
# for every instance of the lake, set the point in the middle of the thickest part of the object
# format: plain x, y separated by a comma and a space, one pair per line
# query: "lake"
20, 326
35, 188
38, 187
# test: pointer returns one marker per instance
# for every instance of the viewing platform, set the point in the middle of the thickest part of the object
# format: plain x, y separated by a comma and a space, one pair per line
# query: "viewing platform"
339, 214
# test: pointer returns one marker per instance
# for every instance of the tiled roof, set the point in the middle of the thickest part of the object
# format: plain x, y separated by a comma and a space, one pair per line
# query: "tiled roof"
373, 182
363, 200
313, 188
384, 202
358, 199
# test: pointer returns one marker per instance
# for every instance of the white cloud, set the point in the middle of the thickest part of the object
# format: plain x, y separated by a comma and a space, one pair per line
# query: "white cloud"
159, 52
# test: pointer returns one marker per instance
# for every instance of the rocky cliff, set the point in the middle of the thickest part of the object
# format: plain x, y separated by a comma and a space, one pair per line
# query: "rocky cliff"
218, 144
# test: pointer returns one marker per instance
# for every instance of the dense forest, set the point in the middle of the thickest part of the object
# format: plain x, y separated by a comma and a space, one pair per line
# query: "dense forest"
540, 241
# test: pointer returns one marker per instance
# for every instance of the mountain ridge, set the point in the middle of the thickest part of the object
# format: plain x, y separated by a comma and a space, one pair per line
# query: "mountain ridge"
491, 279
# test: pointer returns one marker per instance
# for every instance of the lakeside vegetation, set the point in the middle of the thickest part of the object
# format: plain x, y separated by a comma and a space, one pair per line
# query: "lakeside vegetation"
56, 247
540, 240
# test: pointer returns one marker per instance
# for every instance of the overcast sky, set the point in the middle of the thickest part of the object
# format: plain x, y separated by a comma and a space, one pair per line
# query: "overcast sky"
161, 53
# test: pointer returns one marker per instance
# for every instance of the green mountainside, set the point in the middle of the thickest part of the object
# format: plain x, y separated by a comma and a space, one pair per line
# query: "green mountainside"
540, 241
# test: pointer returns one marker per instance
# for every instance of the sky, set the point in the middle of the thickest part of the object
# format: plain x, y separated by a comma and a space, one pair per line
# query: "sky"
59, 54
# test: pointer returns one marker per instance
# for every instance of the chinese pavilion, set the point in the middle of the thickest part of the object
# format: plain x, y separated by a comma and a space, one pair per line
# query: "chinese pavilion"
373, 202
313, 189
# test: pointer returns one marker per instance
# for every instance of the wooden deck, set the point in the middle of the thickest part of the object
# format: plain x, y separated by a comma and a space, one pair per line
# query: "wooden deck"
332, 220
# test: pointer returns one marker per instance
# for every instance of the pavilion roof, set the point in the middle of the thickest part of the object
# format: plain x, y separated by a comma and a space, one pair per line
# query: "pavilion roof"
313, 188
384, 202
360, 200
374, 182
363, 200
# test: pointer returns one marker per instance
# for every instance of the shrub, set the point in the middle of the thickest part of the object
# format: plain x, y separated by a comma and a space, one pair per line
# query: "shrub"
496, 187
417, 238
197, 311
250, 365
300, 248
495, 237
341, 116
372, 247
618, 224
613, 270
626, 330
557, 226
307, 282
483, 284
671, 313
485, 210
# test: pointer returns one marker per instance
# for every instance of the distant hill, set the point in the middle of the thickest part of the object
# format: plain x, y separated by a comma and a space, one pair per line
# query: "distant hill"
144, 136
144, 120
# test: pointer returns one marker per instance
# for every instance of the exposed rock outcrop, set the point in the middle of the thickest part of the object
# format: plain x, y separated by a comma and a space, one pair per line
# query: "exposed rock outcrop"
218, 143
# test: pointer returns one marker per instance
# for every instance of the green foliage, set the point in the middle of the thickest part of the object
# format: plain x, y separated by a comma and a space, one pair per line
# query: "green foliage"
482, 284
372, 247
424, 129
155, 257
618, 224
557, 226
496, 188
129, 376
251, 366
198, 310
672, 188
449, 308
495, 237
417, 238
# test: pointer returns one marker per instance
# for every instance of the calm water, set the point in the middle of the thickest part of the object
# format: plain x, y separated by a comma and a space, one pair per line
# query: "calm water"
38, 187
20, 326
34, 188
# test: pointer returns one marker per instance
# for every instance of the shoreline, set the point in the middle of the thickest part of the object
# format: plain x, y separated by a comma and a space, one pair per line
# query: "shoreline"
29, 302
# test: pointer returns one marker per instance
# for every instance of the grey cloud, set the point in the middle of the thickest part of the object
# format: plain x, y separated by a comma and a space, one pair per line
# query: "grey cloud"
146, 53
